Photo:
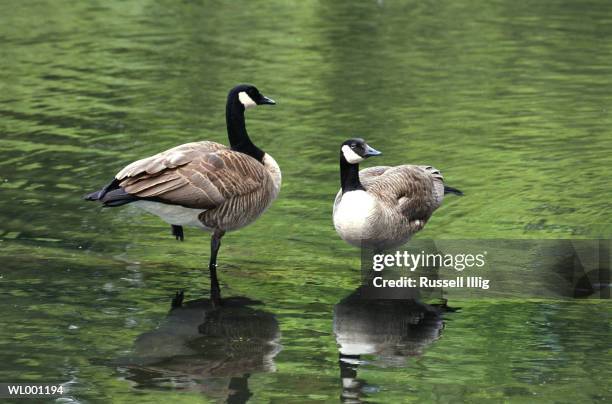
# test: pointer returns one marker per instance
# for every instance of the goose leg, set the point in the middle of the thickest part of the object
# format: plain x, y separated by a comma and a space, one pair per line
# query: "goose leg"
177, 231
177, 300
215, 290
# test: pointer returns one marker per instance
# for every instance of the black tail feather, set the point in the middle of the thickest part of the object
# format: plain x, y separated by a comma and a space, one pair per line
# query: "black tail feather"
451, 190
117, 197
111, 195
94, 196
98, 195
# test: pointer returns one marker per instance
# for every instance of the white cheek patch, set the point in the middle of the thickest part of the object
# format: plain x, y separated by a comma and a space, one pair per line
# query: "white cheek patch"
350, 155
246, 100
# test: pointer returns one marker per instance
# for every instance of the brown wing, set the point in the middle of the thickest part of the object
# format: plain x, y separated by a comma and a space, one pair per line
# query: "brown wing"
199, 175
170, 158
370, 174
415, 190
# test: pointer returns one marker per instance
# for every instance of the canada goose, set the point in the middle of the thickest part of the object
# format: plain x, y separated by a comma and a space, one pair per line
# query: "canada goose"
204, 184
382, 207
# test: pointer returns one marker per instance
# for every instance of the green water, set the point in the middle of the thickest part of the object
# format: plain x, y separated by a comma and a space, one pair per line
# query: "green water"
511, 100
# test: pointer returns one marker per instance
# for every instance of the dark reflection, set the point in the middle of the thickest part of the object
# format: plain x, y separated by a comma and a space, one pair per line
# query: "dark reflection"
212, 350
391, 330
577, 268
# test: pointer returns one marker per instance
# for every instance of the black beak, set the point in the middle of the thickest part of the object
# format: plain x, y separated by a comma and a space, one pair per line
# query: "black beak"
371, 152
265, 100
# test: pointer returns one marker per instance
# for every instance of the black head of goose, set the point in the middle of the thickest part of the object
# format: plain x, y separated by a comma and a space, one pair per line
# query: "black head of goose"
204, 184
353, 152
382, 207
239, 99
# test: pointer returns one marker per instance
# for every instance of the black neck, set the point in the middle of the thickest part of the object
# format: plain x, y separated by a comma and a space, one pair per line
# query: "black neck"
349, 175
236, 130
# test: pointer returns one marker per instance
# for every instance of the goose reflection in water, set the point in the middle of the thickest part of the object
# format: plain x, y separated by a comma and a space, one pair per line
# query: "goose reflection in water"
389, 329
209, 349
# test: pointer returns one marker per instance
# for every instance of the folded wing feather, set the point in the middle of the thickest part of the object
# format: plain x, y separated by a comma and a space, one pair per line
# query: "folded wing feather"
199, 175
415, 190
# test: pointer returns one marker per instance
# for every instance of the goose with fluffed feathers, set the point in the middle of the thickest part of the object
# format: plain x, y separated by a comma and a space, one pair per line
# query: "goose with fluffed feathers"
382, 207
204, 184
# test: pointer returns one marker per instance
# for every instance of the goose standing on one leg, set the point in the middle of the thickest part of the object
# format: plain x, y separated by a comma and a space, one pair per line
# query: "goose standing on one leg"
382, 207
204, 184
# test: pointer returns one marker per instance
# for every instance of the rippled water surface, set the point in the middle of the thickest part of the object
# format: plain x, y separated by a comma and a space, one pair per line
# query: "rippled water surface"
511, 100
